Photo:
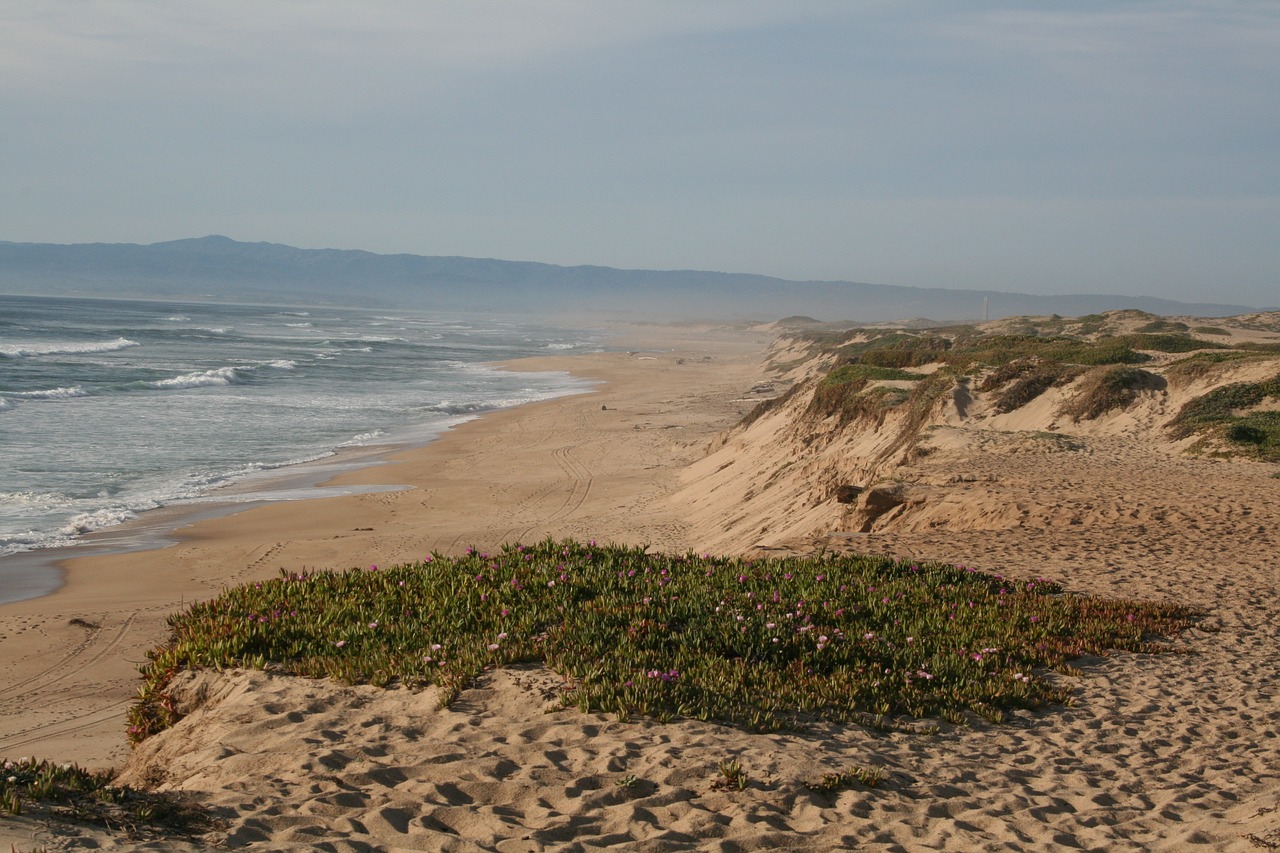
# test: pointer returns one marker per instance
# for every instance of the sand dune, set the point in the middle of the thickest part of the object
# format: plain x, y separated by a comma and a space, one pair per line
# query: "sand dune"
1169, 752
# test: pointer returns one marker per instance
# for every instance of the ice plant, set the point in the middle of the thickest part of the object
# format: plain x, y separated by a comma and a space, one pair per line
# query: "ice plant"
760, 644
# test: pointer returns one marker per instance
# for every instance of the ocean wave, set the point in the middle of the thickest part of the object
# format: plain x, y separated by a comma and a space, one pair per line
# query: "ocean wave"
87, 522
17, 543
208, 378
444, 407
562, 346
364, 438
51, 393
38, 500
63, 348
475, 407
284, 364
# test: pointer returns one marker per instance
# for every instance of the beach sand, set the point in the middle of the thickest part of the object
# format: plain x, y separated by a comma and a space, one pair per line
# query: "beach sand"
1169, 752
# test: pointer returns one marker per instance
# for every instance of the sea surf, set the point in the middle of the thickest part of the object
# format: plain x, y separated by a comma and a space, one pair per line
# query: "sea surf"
111, 408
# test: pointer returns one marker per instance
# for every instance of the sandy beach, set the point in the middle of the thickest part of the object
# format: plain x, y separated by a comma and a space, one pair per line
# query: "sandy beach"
1167, 752
592, 465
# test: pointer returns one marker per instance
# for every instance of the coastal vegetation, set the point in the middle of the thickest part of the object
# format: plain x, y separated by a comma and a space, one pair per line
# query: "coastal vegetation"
878, 372
761, 644
1231, 414
1105, 389
43, 789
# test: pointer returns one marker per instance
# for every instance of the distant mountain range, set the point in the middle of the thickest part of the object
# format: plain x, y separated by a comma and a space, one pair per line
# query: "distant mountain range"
221, 269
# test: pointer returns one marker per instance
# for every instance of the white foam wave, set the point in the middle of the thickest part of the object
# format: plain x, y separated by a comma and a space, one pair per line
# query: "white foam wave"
63, 348
178, 318
217, 376
561, 346
284, 364
30, 540
529, 395
364, 438
446, 407
52, 393
87, 522
38, 500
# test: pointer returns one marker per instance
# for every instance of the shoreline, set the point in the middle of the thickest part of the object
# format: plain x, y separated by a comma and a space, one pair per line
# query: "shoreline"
26, 575
596, 464
43, 570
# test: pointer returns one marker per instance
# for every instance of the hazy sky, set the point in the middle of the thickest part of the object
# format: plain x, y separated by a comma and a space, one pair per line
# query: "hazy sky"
1042, 147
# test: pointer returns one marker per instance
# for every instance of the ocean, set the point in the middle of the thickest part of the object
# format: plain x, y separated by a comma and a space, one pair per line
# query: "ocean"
110, 408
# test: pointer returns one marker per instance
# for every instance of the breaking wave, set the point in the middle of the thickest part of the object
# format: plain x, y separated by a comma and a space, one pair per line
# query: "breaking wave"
63, 348
208, 378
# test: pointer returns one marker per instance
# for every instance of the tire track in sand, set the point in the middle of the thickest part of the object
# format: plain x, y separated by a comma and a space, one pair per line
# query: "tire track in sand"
63, 670
576, 485
77, 722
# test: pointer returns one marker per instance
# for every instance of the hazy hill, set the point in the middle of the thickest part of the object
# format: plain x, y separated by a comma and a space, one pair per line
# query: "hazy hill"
219, 268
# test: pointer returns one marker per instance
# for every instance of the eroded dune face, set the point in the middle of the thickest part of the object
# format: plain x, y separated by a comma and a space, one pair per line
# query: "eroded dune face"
1030, 445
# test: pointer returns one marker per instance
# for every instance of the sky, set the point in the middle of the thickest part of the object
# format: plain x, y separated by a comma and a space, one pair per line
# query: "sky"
1125, 146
